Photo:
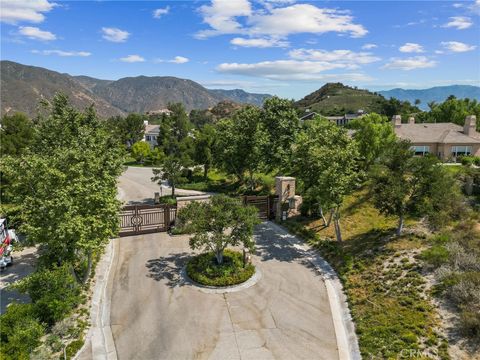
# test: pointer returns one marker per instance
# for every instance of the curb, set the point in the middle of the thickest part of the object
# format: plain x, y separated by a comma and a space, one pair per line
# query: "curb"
100, 334
347, 341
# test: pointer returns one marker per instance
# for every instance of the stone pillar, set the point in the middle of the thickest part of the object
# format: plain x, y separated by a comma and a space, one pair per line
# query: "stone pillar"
285, 189
411, 120
470, 127
397, 120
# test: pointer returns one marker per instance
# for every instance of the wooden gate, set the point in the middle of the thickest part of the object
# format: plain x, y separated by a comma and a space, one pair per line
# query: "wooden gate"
264, 204
144, 219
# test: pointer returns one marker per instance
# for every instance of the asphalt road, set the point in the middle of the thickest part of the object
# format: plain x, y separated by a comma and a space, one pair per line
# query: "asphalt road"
135, 186
155, 315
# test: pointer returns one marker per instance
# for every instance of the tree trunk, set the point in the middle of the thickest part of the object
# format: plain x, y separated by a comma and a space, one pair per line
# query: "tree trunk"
219, 256
173, 188
205, 171
400, 225
86, 275
330, 218
338, 231
323, 217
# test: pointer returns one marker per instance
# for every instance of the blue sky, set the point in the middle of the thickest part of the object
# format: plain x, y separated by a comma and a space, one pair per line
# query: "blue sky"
283, 47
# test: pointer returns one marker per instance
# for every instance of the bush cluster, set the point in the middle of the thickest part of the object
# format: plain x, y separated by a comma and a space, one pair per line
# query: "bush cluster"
204, 269
54, 294
456, 257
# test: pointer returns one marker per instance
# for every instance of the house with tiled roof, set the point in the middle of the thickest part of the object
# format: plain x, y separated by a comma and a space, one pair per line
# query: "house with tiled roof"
448, 141
151, 134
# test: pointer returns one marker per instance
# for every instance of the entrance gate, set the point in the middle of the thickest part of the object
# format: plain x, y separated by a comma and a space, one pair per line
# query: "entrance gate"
265, 205
144, 219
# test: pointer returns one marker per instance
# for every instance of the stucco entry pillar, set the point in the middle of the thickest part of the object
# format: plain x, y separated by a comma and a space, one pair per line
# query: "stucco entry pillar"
285, 189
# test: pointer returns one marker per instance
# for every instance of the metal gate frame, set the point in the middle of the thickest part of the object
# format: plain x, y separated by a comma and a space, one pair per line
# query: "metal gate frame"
145, 219
264, 203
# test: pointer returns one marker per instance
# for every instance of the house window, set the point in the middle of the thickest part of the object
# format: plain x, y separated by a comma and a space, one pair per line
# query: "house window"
421, 150
147, 137
461, 150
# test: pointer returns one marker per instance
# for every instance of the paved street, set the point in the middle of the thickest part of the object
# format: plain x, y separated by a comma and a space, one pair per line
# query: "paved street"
286, 315
135, 186
23, 265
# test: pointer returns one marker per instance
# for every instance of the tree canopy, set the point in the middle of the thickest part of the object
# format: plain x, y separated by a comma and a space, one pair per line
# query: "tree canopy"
16, 134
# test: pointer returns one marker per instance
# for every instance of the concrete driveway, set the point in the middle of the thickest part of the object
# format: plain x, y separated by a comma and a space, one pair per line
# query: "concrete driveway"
135, 186
154, 315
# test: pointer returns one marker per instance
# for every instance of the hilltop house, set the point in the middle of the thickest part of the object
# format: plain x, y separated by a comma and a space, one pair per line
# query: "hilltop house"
446, 140
339, 120
151, 133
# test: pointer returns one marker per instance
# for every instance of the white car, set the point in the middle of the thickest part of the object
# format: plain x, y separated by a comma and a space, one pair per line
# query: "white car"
7, 239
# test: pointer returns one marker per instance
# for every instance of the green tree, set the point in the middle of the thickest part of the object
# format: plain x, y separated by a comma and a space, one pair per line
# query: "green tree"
324, 161
204, 147
280, 121
453, 110
221, 222
170, 170
129, 129
373, 135
141, 150
240, 141
67, 186
16, 134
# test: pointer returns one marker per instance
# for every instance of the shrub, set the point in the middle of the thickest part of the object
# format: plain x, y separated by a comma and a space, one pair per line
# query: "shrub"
54, 293
467, 160
435, 256
205, 270
20, 331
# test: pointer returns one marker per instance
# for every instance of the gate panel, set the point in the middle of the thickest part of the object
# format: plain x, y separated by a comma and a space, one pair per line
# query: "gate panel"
262, 203
144, 219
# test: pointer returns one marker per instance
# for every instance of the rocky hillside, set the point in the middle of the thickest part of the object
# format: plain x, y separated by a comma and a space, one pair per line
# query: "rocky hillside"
338, 99
23, 86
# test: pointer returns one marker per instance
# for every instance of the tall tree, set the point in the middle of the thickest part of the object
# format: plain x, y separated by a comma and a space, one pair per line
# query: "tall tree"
67, 185
280, 121
140, 150
221, 222
240, 142
204, 147
129, 129
324, 160
373, 135
170, 170
16, 134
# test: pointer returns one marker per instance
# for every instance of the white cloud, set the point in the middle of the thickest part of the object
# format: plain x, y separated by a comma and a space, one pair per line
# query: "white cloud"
35, 33
62, 53
338, 56
179, 60
291, 70
175, 60
132, 59
114, 34
221, 17
411, 48
158, 13
259, 42
224, 17
417, 62
369, 46
459, 22
456, 46
14, 11
304, 18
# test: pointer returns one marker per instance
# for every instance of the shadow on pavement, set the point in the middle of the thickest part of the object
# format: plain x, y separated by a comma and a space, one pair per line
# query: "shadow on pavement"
168, 268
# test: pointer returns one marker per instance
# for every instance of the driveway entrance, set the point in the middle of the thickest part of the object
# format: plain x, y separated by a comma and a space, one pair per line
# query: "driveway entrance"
154, 315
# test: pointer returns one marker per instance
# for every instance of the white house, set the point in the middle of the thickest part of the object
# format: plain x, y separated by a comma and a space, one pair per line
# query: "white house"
151, 133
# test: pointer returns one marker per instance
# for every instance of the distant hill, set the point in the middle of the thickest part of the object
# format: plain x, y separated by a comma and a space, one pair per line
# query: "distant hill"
338, 99
242, 97
437, 94
23, 86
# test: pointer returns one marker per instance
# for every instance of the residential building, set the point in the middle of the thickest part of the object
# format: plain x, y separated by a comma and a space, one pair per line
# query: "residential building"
151, 134
159, 112
339, 120
448, 141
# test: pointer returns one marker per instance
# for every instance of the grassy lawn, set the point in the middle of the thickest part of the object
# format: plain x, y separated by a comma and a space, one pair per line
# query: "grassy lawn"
382, 278
219, 182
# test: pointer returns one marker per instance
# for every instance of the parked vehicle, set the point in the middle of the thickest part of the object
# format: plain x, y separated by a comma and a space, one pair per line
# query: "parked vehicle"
7, 239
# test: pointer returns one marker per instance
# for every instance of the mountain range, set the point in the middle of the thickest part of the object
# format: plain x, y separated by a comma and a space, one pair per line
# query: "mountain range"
437, 94
22, 87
